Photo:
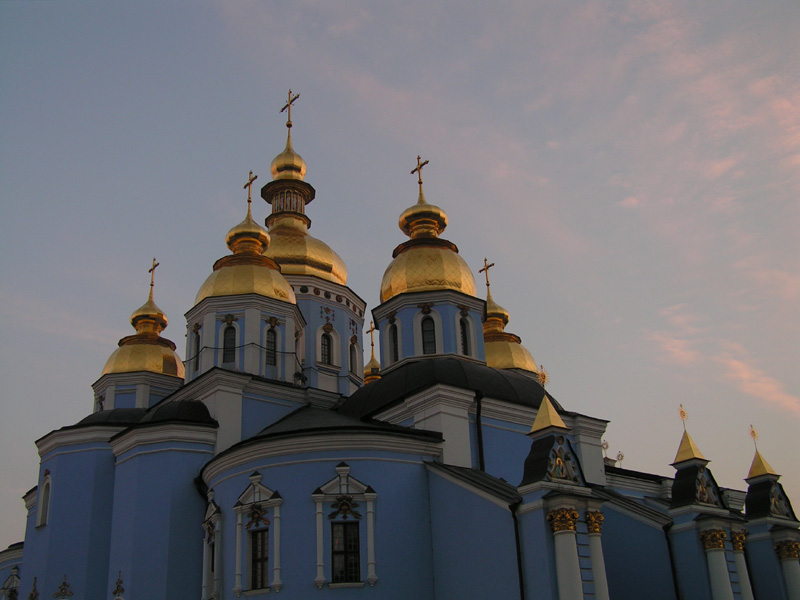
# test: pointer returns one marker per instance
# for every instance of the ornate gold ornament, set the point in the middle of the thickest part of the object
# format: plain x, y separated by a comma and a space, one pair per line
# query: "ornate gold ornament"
737, 539
426, 307
344, 507
228, 319
563, 519
713, 539
594, 521
788, 550
63, 590
257, 516
34, 595
118, 589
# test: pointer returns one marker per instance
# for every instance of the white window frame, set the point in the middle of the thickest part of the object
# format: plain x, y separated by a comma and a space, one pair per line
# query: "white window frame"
260, 496
473, 340
344, 485
336, 348
43, 501
387, 343
437, 329
212, 525
278, 366
236, 345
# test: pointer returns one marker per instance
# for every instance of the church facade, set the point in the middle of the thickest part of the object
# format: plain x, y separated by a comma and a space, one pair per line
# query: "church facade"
272, 461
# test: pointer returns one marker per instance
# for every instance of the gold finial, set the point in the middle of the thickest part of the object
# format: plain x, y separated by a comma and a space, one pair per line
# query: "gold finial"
688, 449
683, 415
152, 271
485, 270
288, 107
754, 435
605, 446
620, 456
544, 376
759, 466
418, 170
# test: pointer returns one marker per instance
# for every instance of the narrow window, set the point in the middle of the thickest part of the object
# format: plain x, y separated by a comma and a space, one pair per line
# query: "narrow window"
394, 347
259, 559
345, 553
325, 349
353, 359
270, 350
464, 337
196, 351
229, 345
44, 504
428, 336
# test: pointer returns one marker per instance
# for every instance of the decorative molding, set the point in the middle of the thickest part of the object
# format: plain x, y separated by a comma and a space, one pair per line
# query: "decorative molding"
713, 539
63, 590
594, 521
563, 519
34, 595
788, 550
72, 437
229, 318
166, 433
118, 589
738, 539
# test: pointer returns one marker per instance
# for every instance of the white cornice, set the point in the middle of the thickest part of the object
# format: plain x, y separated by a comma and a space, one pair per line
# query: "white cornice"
326, 286
438, 395
80, 435
310, 443
432, 297
30, 498
168, 432
650, 488
136, 378
237, 304
11, 555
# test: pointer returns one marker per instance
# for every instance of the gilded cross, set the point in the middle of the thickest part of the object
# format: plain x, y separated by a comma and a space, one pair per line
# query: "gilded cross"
288, 107
370, 331
485, 269
420, 164
152, 271
249, 186
754, 435
683, 415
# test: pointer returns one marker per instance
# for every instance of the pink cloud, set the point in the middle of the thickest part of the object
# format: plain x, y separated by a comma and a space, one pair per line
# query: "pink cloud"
755, 382
678, 350
630, 202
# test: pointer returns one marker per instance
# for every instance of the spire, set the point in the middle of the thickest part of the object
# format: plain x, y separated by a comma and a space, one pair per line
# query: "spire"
288, 164
759, 465
422, 220
687, 450
372, 370
547, 417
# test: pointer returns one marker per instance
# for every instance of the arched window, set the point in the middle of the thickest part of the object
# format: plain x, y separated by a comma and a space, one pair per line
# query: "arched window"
394, 346
196, 351
353, 359
325, 344
428, 336
229, 345
465, 350
271, 354
44, 503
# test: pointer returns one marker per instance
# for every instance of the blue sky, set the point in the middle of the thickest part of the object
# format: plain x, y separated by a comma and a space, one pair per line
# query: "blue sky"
633, 170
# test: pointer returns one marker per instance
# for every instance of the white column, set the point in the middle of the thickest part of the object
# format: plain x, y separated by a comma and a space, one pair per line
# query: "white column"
738, 539
204, 594
217, 556
568, 570
237, 584
277, 584
251, 338
594, 521
789, 555
714, 544
320, 579
372, 576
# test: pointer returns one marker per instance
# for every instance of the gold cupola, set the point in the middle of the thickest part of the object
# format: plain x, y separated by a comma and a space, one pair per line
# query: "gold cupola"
146, 350
297, 252
426, 262
503, 350
247, 270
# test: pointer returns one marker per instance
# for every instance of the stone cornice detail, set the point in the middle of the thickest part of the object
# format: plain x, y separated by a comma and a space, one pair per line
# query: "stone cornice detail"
72, 437
237, 304
713, 539
563, 519
436, 395
283, 447
312, 282
431, 297
166, 433
158, 380
788, 550
594, 521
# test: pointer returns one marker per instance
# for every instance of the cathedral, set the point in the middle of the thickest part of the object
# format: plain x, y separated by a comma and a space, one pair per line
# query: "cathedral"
272, 460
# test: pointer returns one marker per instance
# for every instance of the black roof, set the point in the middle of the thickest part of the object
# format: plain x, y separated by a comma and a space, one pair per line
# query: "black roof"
496, 487
116, 416
182, 411
418, 374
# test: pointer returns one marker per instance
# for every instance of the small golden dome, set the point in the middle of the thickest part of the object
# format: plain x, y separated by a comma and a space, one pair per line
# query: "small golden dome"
247, 270
372, 370
146, 350
288, 164
299, 253
495, 311
503, 350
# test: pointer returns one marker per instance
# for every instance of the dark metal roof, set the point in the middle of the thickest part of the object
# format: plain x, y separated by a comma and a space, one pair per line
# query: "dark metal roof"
116, 416
499, 488
183, 411
416, 375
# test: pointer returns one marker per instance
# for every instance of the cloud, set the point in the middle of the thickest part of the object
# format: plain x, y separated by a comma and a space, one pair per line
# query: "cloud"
753, 381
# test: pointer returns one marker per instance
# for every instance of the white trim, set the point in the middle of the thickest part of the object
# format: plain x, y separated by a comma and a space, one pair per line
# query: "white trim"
336, 347
471, 332
354, 349
238, 343
437, 331
160, 450
166, 433
72, 437
43, 505
387, 344
322, 443
279, 353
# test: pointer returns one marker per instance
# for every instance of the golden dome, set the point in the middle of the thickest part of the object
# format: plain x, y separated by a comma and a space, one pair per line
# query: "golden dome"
288, 164
425, 262
299, 253
146, 350
372, 370
247, 270
503, 350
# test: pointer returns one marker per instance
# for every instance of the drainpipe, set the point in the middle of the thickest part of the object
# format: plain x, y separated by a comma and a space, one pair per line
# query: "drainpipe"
513, 508
479, 426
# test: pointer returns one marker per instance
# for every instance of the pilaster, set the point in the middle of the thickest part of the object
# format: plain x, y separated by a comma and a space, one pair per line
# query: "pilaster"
714, 544
789, 554
594, 523
568, 572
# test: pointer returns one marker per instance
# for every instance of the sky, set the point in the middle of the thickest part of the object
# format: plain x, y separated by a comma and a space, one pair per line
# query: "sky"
632, 169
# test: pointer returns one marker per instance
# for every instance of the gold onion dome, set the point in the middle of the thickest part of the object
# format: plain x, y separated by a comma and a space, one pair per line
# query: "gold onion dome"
503, 350
146, 350
372, 370
247, 270
297, 252
426, 262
